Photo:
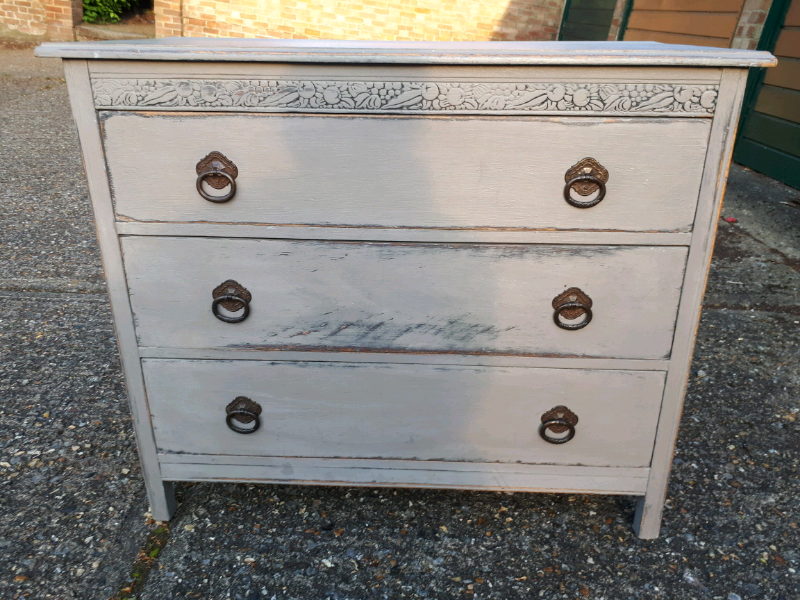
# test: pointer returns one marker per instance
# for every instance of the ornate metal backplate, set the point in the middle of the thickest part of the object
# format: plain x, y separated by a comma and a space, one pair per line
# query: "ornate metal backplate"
572, 295
216, 161
231, 288
244, 403
562, 413
587, 166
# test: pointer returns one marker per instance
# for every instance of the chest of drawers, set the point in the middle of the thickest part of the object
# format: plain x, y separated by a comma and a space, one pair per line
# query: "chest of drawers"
470, 266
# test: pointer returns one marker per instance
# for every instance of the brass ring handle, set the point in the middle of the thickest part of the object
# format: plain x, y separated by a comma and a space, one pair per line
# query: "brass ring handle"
585, 178
216, 173
231, 416
558, 420
572, 326
559, 423
231, 298
571, 304
243, 410
589, 203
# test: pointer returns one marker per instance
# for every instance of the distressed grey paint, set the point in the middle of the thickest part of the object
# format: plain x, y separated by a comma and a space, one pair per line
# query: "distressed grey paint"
502, 302
458, 172
448, 413
602, 364
358, 52
647, 521
159, 493
405, 297
405, 473
399, 97
395, 234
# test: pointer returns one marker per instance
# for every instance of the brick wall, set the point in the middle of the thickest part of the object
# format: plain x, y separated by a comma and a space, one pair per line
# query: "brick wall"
616, 20
168, 18
751, 24
25, 16
54, 19
58, 14
361, 19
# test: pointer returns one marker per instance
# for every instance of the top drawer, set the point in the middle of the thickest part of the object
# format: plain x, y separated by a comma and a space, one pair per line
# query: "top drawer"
399, 171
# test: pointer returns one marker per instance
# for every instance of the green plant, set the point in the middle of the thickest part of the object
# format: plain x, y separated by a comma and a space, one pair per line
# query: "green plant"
106, 10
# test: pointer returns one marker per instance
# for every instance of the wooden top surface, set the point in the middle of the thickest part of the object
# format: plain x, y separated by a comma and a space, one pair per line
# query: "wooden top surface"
465, 53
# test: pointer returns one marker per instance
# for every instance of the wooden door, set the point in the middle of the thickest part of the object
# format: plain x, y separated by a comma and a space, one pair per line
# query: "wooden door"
769, 139
694, 22
587, 20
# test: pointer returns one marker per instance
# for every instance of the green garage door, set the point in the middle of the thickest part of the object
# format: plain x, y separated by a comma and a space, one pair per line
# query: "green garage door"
586, 20
769, 140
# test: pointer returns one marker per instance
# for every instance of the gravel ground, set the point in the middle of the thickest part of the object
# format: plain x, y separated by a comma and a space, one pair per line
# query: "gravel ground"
72, 505
48, 241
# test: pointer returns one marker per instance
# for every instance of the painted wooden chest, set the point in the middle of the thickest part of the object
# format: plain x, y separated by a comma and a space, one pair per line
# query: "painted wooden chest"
472, 266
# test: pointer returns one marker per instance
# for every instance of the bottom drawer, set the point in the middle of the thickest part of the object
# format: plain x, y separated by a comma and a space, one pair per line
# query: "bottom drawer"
404, 411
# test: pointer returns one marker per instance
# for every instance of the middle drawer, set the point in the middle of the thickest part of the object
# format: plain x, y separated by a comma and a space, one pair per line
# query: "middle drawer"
400, 297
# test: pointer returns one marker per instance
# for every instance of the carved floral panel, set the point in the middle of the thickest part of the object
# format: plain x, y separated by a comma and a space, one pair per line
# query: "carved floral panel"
406, 96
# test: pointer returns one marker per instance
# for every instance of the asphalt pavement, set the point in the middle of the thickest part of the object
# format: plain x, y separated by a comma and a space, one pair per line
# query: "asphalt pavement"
73, 522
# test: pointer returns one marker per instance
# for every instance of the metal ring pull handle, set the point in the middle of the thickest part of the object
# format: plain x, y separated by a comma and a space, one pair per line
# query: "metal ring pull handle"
219, 172
560, 423
216, 173
585, 178
243, 410
589, 203
570, 305
233, 318
558, 420
233, 297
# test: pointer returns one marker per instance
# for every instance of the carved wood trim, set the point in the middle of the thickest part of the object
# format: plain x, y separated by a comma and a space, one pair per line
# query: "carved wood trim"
406, 96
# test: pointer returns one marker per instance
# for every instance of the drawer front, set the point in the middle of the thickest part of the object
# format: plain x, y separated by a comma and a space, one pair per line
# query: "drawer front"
496, 299
423, 412
393, 171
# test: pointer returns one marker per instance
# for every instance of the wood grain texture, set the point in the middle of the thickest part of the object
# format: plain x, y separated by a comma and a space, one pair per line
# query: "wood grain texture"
414, 412
405, 297
793, 15
594, 364
647, 521
788, 44
159, 493
408, 172
122, 69
405, 234
453, 53
399, 473
714, 25
671, 38
786, 74
779, 102
689, 5
702, 22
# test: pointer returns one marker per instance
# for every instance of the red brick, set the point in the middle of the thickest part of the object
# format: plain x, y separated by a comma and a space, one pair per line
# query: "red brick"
363, 19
